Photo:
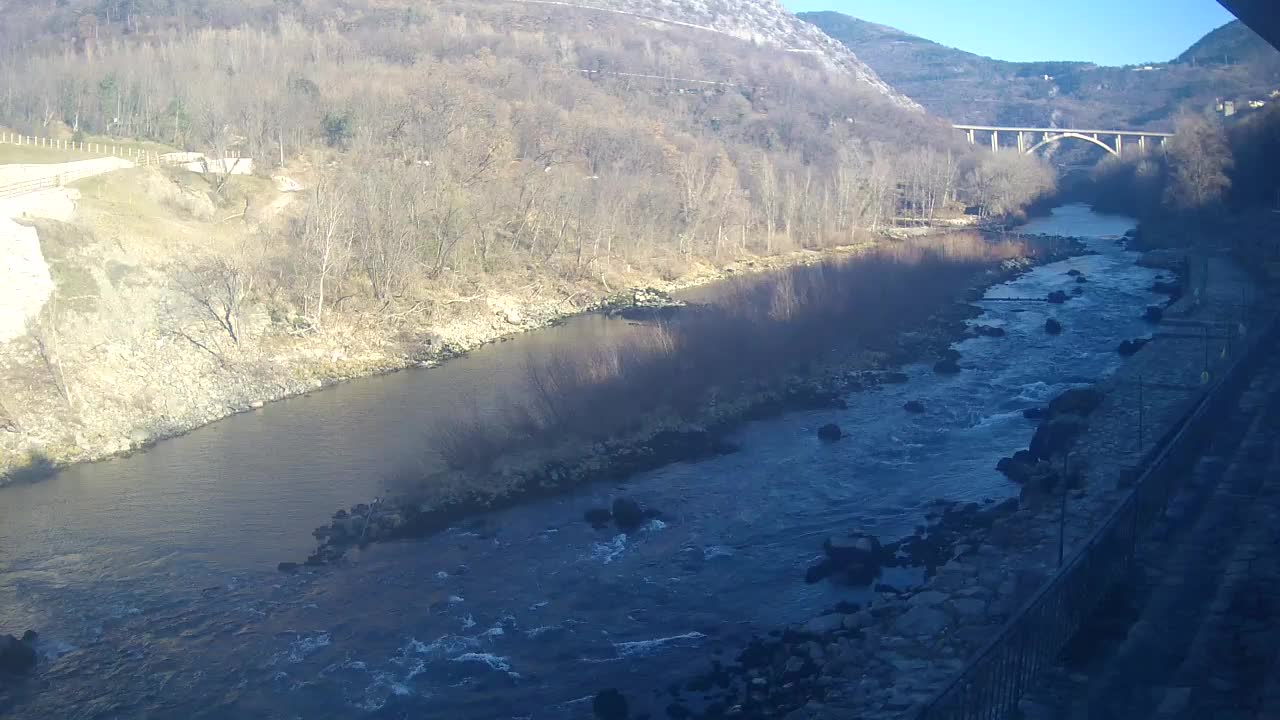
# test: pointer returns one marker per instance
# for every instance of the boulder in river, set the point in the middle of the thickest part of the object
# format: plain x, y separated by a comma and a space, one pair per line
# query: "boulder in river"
830, 432
1035, 413
1153, 314
1077, 291
1131, 347
17, 656
858, 556
1053, 327
1055, 435
1076, 401
894, 378
1057, 297
1167, 287
988, 331
1020, 468
628, 514
913, 406
288, 567
598, 517
1082, 279
609, 705
1074, 273
946, 366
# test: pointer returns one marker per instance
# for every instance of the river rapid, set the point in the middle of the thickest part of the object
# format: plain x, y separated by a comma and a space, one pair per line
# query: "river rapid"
152, 578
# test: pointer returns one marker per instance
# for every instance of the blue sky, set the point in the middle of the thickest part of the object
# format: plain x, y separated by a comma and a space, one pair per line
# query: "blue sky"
1108, 32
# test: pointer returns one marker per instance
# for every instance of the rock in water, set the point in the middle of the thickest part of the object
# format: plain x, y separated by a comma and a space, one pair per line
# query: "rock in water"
1075, 273
830, 432
1076, 401
1035, 413
628, 514
598, 517
913, 406
1055, 435
1131, 347
1082, 279
1053, 327
1057, 297
609, 705
1153, 314
858, 555
894, 378
17, 656
1077, 291
288, 567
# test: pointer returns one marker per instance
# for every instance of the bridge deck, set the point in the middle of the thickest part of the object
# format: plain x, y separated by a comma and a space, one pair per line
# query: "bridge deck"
1128, 133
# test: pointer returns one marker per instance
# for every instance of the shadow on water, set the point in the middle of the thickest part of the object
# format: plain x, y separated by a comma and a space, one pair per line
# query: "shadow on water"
150, 578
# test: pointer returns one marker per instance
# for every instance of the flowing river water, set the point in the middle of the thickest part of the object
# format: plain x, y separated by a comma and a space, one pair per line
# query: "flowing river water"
152, 578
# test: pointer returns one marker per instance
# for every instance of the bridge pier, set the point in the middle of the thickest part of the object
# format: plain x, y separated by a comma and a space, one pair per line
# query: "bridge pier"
1142, 143
995, 141
1119, 145
971, 141
1022, 142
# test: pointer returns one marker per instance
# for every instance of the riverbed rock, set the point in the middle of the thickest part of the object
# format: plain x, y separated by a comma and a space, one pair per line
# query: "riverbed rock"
913, 406
17, 656
1055, 435
1077, 291
857, 557
1020, 468
824, 624
1035, 413
988, 331
1081, 279
1074, 273
1172, 288
598, 517
1131, 347
830, 432
287, 567
894, 378
628, 514
1076, 401
609, 705
1057, 297
1053, 327
921, 621
1153, 314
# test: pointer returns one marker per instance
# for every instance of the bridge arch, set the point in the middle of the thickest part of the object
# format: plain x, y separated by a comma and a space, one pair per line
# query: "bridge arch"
1078, 136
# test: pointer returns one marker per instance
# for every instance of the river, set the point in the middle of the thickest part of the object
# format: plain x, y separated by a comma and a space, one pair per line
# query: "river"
152, 578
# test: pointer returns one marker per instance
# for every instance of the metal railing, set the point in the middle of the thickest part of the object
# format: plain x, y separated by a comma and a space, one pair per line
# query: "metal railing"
996, 677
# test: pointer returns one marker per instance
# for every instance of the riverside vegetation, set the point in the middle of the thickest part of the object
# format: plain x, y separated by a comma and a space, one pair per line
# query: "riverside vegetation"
467, 170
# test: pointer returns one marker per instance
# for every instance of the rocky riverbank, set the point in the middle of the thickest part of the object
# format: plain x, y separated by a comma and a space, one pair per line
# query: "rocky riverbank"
887, 658
94, 389
466, 494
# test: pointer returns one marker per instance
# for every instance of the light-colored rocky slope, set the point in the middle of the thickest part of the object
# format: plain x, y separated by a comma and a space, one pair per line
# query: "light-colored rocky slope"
764, 22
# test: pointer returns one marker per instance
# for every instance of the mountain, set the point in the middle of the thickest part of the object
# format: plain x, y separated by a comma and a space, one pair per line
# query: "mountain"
764, 22
1231, 44
1229, 63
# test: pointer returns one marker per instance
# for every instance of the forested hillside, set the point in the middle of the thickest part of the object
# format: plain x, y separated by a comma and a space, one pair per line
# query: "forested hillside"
466, 169
1231, 63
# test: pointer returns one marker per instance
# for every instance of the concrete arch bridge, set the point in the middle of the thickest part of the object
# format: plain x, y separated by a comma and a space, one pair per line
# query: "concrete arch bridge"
1029, 140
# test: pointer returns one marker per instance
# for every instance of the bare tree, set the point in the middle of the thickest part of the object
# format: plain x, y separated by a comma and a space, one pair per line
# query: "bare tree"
1199, 158
218, 288
326, 240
